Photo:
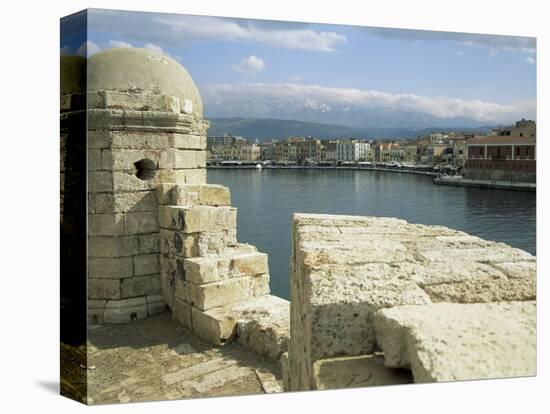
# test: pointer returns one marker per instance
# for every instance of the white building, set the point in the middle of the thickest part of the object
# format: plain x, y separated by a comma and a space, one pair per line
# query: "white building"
351, 150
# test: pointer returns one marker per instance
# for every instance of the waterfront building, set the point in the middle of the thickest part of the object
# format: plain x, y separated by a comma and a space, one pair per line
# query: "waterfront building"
351, 150
522, 128
388, 152
308, 150
501, 157
409, 153
330, 151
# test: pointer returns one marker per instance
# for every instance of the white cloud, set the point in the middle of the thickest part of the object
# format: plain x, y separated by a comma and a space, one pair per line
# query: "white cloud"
173, 30
88, 49
295, 78
153, 47
531, 60
250, 64
118, 43
437, 106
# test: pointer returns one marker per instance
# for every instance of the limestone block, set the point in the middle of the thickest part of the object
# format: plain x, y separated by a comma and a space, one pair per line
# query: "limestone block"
135, 201
103, 203
193, 176
176, 243
103, 288
198, 218
127, 181
124, 159
99, 139
125, 100
211, 295
206, 243
95, 309
250, 264
483, 255
354, 372
259, 285
186, 195
474, 291
105, 119
148, 243
119, 246
140, 286
186, 141
517, 270
455, 342
155, 304
94, 159
125, 310
165, 194
100, 181
216, 326
177, 159
214, 195
181, 312
153, 140
141, 222
202, 270
106, 224
110, 268
146, 264
285, 371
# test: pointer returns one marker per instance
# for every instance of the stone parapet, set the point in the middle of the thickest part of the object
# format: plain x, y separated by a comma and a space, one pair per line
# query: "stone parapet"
345, 269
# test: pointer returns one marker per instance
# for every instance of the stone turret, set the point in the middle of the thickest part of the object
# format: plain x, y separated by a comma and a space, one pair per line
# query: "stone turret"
144, 127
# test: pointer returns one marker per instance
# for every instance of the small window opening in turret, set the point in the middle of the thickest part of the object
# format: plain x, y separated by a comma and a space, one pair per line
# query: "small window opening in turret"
146, 169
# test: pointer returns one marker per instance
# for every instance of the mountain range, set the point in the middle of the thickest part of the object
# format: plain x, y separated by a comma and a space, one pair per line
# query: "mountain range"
267, 128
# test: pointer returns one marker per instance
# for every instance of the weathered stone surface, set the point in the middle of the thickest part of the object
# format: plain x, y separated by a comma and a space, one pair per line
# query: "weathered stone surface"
100, 181
149, 243
99, 246
177, 158
125, 310
103, 288
182, 312
146, 264
354, 372
106, 224
99, 139
185, 141
207, 194
135, 201
165, 193
155, 304
183, 176
110, 268
140, 140
141, 222
345, 269
140, 286
196, 244
449, 342
469, 291
216, 294
216, 326
125, 159
198, 218
95, 311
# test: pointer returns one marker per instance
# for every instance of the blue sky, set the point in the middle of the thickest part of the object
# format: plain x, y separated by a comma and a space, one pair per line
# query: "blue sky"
486, 77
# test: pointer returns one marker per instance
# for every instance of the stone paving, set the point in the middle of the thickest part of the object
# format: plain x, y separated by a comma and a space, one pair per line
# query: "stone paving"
156, 359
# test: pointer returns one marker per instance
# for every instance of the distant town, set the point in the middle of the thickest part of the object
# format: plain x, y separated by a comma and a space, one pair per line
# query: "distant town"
506, 153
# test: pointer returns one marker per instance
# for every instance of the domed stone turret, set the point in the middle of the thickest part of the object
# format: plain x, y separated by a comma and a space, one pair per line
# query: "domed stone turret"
145, 71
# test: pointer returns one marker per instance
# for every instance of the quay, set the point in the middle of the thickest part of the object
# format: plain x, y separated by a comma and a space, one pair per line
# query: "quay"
494, 184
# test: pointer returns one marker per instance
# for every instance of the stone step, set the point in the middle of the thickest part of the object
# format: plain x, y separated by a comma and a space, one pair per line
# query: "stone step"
198, 219
261, 324
232, 263
193, 195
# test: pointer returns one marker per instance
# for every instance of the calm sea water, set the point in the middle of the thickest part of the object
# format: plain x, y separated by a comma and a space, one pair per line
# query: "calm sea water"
266, 200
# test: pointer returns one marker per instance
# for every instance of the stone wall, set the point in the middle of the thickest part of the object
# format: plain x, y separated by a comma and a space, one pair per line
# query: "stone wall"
436, 301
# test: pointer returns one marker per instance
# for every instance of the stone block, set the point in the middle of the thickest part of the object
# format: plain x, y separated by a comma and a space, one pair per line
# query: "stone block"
250, 264
94, 159
119, 246
165, 193
457, 342
198, 218
154, 140
110, 268
140, 286
99, 139
216, 326
141, 222
100, 181
103, 288
106, 224
193, 176
518, 270
135, 201
126, 181
103, 203
259, 285
181, 312
155, 304
202, 270
146, 264
178, 159
186, 141
125, 159
354, 372
176, 243
216, 294
148, 243
125, 310
95, 309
